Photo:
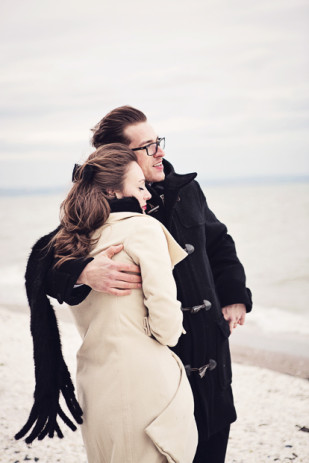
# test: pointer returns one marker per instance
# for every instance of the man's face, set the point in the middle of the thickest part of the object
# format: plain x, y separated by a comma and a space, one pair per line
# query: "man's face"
142, 134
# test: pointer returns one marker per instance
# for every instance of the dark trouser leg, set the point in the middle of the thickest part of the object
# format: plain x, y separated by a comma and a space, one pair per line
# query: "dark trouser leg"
213, 450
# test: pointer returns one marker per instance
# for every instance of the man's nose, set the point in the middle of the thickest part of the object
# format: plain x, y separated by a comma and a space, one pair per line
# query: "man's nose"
160, 153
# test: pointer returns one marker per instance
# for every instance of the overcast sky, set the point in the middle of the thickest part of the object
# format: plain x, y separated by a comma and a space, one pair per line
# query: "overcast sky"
225, 81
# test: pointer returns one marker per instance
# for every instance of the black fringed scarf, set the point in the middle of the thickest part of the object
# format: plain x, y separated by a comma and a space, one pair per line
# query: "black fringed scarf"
52, 376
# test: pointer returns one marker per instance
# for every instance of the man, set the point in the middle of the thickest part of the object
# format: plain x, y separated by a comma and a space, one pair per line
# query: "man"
210, 281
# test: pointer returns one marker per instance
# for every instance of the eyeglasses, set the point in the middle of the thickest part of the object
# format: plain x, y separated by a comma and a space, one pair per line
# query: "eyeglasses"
152, 148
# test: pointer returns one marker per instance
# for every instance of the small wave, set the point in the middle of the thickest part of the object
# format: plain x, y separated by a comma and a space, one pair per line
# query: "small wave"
273, 319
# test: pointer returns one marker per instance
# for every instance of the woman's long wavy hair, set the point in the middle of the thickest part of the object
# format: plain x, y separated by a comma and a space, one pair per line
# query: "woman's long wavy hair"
86, 206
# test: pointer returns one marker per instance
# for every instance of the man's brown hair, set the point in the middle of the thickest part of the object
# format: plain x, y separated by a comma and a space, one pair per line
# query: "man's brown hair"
111, 128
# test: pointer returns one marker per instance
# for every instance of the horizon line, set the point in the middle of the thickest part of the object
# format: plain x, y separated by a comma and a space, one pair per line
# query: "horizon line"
204, 182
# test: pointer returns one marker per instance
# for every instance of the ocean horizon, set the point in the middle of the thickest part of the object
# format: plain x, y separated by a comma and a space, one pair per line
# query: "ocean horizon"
204, 182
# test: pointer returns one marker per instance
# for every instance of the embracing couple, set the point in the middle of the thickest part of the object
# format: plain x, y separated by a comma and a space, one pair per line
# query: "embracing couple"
155, 287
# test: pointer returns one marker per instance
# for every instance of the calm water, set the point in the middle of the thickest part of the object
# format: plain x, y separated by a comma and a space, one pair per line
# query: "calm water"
269, 224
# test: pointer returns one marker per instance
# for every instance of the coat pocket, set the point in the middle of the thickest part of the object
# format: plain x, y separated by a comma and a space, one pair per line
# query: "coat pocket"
174, 431
191, 217
224, 356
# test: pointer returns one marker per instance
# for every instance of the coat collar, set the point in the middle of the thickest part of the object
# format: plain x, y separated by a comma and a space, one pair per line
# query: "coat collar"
177, 253
169, 189
174, 181
118, 217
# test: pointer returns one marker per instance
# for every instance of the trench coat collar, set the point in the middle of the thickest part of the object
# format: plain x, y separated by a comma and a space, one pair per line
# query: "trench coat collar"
119, 216
177, 253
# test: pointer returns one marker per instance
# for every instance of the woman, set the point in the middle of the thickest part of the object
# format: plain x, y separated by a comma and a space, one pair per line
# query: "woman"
136, 400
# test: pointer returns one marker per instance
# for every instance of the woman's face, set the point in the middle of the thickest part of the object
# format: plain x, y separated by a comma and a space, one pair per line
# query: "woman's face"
134, 185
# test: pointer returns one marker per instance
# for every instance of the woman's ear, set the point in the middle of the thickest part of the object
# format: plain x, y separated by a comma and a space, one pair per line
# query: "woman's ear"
111, 194
118, 194
114, 194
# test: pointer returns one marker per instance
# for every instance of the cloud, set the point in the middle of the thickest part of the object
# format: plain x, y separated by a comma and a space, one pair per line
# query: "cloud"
231, 77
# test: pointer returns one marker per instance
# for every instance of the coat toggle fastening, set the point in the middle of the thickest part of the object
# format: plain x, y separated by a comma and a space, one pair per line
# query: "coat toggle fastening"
189, 248
211, 365
196, 308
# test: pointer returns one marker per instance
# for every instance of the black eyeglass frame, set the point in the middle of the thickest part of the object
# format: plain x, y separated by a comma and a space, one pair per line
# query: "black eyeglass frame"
157, 143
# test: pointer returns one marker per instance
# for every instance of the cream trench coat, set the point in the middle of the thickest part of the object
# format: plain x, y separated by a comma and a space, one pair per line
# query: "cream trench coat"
137, 401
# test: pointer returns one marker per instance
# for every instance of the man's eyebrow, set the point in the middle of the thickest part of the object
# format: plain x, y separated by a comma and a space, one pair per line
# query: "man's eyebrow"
147, 142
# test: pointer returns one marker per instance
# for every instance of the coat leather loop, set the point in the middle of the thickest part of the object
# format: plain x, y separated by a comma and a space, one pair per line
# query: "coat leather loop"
196, 308
211, 365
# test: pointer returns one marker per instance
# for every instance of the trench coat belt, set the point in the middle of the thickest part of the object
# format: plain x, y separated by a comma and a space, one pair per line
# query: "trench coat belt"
211, 365
196, 308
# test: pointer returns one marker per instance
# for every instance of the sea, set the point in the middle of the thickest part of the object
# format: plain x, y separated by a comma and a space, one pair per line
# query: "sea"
269, 223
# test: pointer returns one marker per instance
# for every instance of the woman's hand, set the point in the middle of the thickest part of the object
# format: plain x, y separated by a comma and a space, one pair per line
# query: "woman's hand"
106, 276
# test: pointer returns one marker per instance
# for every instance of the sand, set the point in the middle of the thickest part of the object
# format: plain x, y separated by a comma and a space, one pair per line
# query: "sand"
273, 408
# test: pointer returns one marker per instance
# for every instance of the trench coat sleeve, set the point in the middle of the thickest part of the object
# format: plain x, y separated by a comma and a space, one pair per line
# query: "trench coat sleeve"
228, 272
149, 248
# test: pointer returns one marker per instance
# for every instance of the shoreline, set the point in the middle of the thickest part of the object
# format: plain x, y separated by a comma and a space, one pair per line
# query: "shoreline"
282, 353
274, 361
285, 353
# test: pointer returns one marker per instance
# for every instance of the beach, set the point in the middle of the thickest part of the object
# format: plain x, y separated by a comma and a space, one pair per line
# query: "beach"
273, 408
270, 353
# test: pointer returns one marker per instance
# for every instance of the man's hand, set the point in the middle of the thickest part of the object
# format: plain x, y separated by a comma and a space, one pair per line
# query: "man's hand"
235, 314
106, 276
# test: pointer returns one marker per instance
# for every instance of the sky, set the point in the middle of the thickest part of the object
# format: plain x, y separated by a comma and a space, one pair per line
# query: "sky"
225, 81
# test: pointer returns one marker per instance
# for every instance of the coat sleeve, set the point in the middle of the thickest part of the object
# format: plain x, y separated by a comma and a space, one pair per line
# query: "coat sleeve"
60, 281
149, 249
228, 272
